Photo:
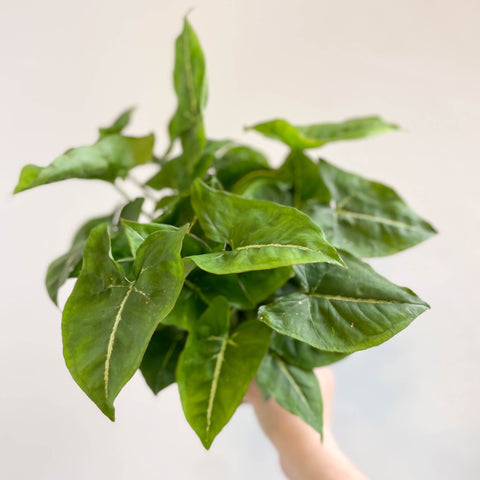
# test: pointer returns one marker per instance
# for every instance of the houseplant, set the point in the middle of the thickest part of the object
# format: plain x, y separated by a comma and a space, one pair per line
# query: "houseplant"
240, 270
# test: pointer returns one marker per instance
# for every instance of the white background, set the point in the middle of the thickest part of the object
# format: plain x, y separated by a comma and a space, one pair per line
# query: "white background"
407, 409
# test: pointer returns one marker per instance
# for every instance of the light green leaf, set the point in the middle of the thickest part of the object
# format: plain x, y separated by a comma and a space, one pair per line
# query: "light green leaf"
111, 157
312, 136
302, 355
119, 124
343, 309
216, 368
295, 389
190, 81
368, 219
261, 235
161, 357
108, 320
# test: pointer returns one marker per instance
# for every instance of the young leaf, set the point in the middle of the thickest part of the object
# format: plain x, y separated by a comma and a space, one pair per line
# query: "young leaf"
161, 357
122, 314
369, 219
216, 368
295, 389
119, 124
190, 81
261, 235
302, 355
111, 157
312, 136
343, 309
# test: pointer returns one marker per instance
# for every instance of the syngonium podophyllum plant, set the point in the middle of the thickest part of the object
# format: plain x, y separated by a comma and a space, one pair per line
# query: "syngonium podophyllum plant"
240, 271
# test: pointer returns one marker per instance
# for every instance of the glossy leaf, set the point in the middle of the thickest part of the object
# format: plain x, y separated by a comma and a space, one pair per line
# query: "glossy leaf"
161, 357
216, 368
119, 124
261, 235
312, 136
295, 389
122, 313
189, 308
302, 355
343, 309
111, 157
369, 219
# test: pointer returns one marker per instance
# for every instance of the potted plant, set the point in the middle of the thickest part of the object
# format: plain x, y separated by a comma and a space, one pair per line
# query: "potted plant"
239, 271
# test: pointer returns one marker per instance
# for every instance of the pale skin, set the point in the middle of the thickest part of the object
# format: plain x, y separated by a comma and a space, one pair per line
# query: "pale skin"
301, 453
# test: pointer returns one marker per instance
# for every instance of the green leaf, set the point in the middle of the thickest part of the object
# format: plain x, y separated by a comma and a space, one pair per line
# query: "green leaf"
108, 320
190, 81
368, 219
216, 368
119, 124
261, 235
312, 136
161, 357
188, 309
111, 157
244, 290
343, 309
236, 163
63, 267
180, 172
301, 354
295, 389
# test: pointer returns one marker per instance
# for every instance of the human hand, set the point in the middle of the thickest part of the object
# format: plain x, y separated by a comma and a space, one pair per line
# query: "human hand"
301, 453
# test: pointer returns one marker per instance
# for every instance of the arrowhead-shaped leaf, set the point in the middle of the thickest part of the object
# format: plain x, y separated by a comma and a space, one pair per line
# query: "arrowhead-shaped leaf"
161, 357
295, 389
368, 219
216, 368
312, 136
261, 235
108, 320
343, 309
111, 157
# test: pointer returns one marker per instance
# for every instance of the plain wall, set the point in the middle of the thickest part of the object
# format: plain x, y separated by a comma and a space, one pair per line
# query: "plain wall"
407, 409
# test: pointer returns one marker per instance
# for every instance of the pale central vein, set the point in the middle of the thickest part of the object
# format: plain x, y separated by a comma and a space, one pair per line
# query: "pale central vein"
279, 245
216, 376
293, 382
111, 340
355, 300
372, 218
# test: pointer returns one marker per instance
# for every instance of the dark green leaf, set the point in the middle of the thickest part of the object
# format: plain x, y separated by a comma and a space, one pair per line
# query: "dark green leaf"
343, 309
119, 124
312, 136
261, 235
188, 309
236, 163
111, 157
160, 360
295, 389
216, 368
108, 320
302, 355
368, 219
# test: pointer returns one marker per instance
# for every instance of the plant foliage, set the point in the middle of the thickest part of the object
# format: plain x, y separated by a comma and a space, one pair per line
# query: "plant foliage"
241, 270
